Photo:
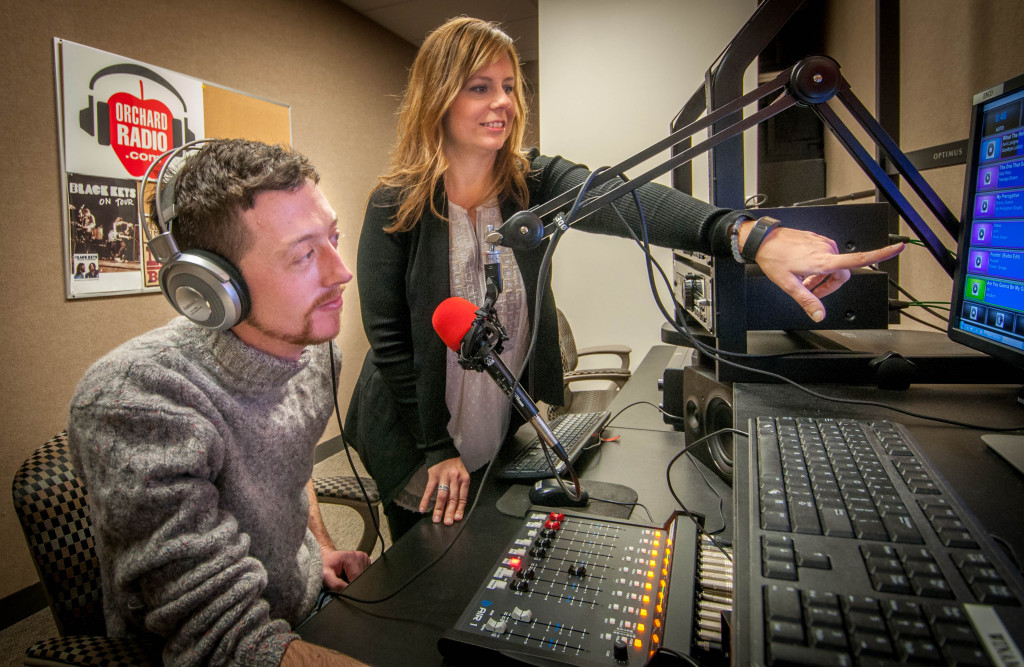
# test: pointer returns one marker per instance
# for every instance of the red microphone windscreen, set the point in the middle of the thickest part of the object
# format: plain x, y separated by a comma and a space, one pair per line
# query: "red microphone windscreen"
452, 320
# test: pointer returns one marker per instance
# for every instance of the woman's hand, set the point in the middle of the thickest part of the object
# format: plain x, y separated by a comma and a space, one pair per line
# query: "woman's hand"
451, 480
808, 266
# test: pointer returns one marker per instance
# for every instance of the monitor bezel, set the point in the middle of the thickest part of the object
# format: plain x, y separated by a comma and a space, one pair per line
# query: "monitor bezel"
955, 333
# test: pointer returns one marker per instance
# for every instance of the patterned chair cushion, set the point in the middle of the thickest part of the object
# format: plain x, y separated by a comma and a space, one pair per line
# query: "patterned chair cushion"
84, 650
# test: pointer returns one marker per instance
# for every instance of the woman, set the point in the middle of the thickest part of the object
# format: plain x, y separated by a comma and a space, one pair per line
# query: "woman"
419, 421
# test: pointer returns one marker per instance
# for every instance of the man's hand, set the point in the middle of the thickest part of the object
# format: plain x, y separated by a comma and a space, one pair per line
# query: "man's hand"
341, 567
304, 654
808, 266
451, 480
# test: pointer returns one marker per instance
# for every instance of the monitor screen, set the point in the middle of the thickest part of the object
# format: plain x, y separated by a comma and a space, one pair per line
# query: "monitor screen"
987, 310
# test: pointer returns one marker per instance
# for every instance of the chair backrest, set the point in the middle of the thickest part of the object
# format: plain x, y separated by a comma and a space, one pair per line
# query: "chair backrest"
566, 344
52, 506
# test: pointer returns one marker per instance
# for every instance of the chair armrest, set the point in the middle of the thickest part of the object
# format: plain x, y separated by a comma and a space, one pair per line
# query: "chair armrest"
344, 490
618, 376
620, 351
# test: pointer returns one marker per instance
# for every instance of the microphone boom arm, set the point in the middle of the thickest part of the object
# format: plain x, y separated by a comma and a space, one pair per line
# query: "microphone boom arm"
812, 82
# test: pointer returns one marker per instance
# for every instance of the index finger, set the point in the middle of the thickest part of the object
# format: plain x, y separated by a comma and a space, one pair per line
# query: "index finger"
852, 260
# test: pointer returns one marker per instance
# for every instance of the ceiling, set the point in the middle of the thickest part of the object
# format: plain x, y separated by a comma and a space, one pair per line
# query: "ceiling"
413, 19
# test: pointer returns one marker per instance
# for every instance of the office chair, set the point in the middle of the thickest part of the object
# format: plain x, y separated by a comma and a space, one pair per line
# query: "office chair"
587, 399
51, 504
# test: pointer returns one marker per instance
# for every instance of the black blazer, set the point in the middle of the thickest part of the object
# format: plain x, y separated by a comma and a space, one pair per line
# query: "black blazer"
397, 417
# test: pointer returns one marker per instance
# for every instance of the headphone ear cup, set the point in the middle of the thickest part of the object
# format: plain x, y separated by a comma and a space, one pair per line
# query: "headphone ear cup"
206, 288
86, 121
103, 123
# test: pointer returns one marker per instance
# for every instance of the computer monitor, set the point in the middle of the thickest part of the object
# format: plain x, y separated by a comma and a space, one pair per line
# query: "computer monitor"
987, 309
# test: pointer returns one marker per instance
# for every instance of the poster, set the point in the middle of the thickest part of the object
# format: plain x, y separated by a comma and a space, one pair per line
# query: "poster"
103, 228
118, 115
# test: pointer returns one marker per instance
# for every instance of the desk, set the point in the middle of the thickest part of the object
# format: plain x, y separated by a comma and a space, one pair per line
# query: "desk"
405, 628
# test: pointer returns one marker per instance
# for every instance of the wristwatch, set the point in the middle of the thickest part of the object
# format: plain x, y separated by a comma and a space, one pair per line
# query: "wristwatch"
756, 236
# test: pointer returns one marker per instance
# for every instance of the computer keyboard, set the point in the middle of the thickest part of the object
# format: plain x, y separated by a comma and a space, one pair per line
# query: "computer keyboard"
526, 461
852, 550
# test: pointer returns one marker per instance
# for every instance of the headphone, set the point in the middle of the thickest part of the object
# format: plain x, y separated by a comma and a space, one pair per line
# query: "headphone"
98, 124
203, 286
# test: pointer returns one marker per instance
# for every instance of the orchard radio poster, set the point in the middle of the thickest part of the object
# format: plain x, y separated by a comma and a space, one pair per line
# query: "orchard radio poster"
118, 116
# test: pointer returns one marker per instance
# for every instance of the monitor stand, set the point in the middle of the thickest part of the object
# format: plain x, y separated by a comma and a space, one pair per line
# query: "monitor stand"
1010, 447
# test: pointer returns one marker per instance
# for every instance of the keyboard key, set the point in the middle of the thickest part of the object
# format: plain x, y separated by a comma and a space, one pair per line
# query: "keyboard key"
824, 616
813, 559
789, 654
918, 650
828, 638
871, 644
861, 621
786, 631
901, 528
783, 603
966, 656
955, 633
835, 523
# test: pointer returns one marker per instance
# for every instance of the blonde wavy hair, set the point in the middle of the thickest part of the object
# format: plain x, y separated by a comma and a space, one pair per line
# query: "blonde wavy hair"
449, 56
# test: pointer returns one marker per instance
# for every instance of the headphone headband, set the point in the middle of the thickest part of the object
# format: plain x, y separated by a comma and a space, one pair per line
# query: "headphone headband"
203, 286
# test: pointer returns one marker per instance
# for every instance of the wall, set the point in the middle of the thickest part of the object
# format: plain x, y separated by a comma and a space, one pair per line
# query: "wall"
949, 50
342, 76
613, 76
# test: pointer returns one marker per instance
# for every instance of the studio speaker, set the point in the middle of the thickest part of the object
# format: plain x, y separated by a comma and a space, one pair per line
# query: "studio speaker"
705, 405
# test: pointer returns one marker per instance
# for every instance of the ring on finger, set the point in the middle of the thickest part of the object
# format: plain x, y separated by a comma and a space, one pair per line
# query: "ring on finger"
442, 487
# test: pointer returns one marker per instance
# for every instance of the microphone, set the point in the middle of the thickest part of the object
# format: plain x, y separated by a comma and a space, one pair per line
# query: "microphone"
458, 323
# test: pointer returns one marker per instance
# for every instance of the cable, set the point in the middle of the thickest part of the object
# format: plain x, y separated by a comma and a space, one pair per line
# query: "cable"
465, 519
930, 325
899, 288
721, 502
444, 552
682, 506
542, 272
625, 504
348, 453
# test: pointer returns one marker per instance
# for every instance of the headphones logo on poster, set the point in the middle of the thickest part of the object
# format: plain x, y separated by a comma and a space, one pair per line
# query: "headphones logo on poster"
128, 112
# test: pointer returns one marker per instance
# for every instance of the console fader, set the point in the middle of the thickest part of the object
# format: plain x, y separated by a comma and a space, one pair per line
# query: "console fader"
582, 590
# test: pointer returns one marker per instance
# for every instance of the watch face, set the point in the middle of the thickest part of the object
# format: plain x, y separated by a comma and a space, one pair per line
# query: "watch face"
756, 236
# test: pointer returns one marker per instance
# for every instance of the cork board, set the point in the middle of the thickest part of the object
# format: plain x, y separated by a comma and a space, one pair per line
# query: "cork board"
234, 115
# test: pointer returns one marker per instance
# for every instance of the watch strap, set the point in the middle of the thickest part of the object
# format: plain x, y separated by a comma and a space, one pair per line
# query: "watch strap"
761, 228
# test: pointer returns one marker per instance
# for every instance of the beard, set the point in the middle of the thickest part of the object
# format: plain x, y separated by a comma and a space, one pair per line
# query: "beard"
304, 336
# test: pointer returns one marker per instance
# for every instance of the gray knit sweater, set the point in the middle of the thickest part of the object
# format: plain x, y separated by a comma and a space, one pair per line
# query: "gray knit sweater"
195, 449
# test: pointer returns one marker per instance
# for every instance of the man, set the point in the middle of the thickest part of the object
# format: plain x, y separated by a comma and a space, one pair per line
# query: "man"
196, 446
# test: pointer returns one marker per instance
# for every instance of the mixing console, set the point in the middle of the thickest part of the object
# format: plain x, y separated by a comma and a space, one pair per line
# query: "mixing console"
582, 590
